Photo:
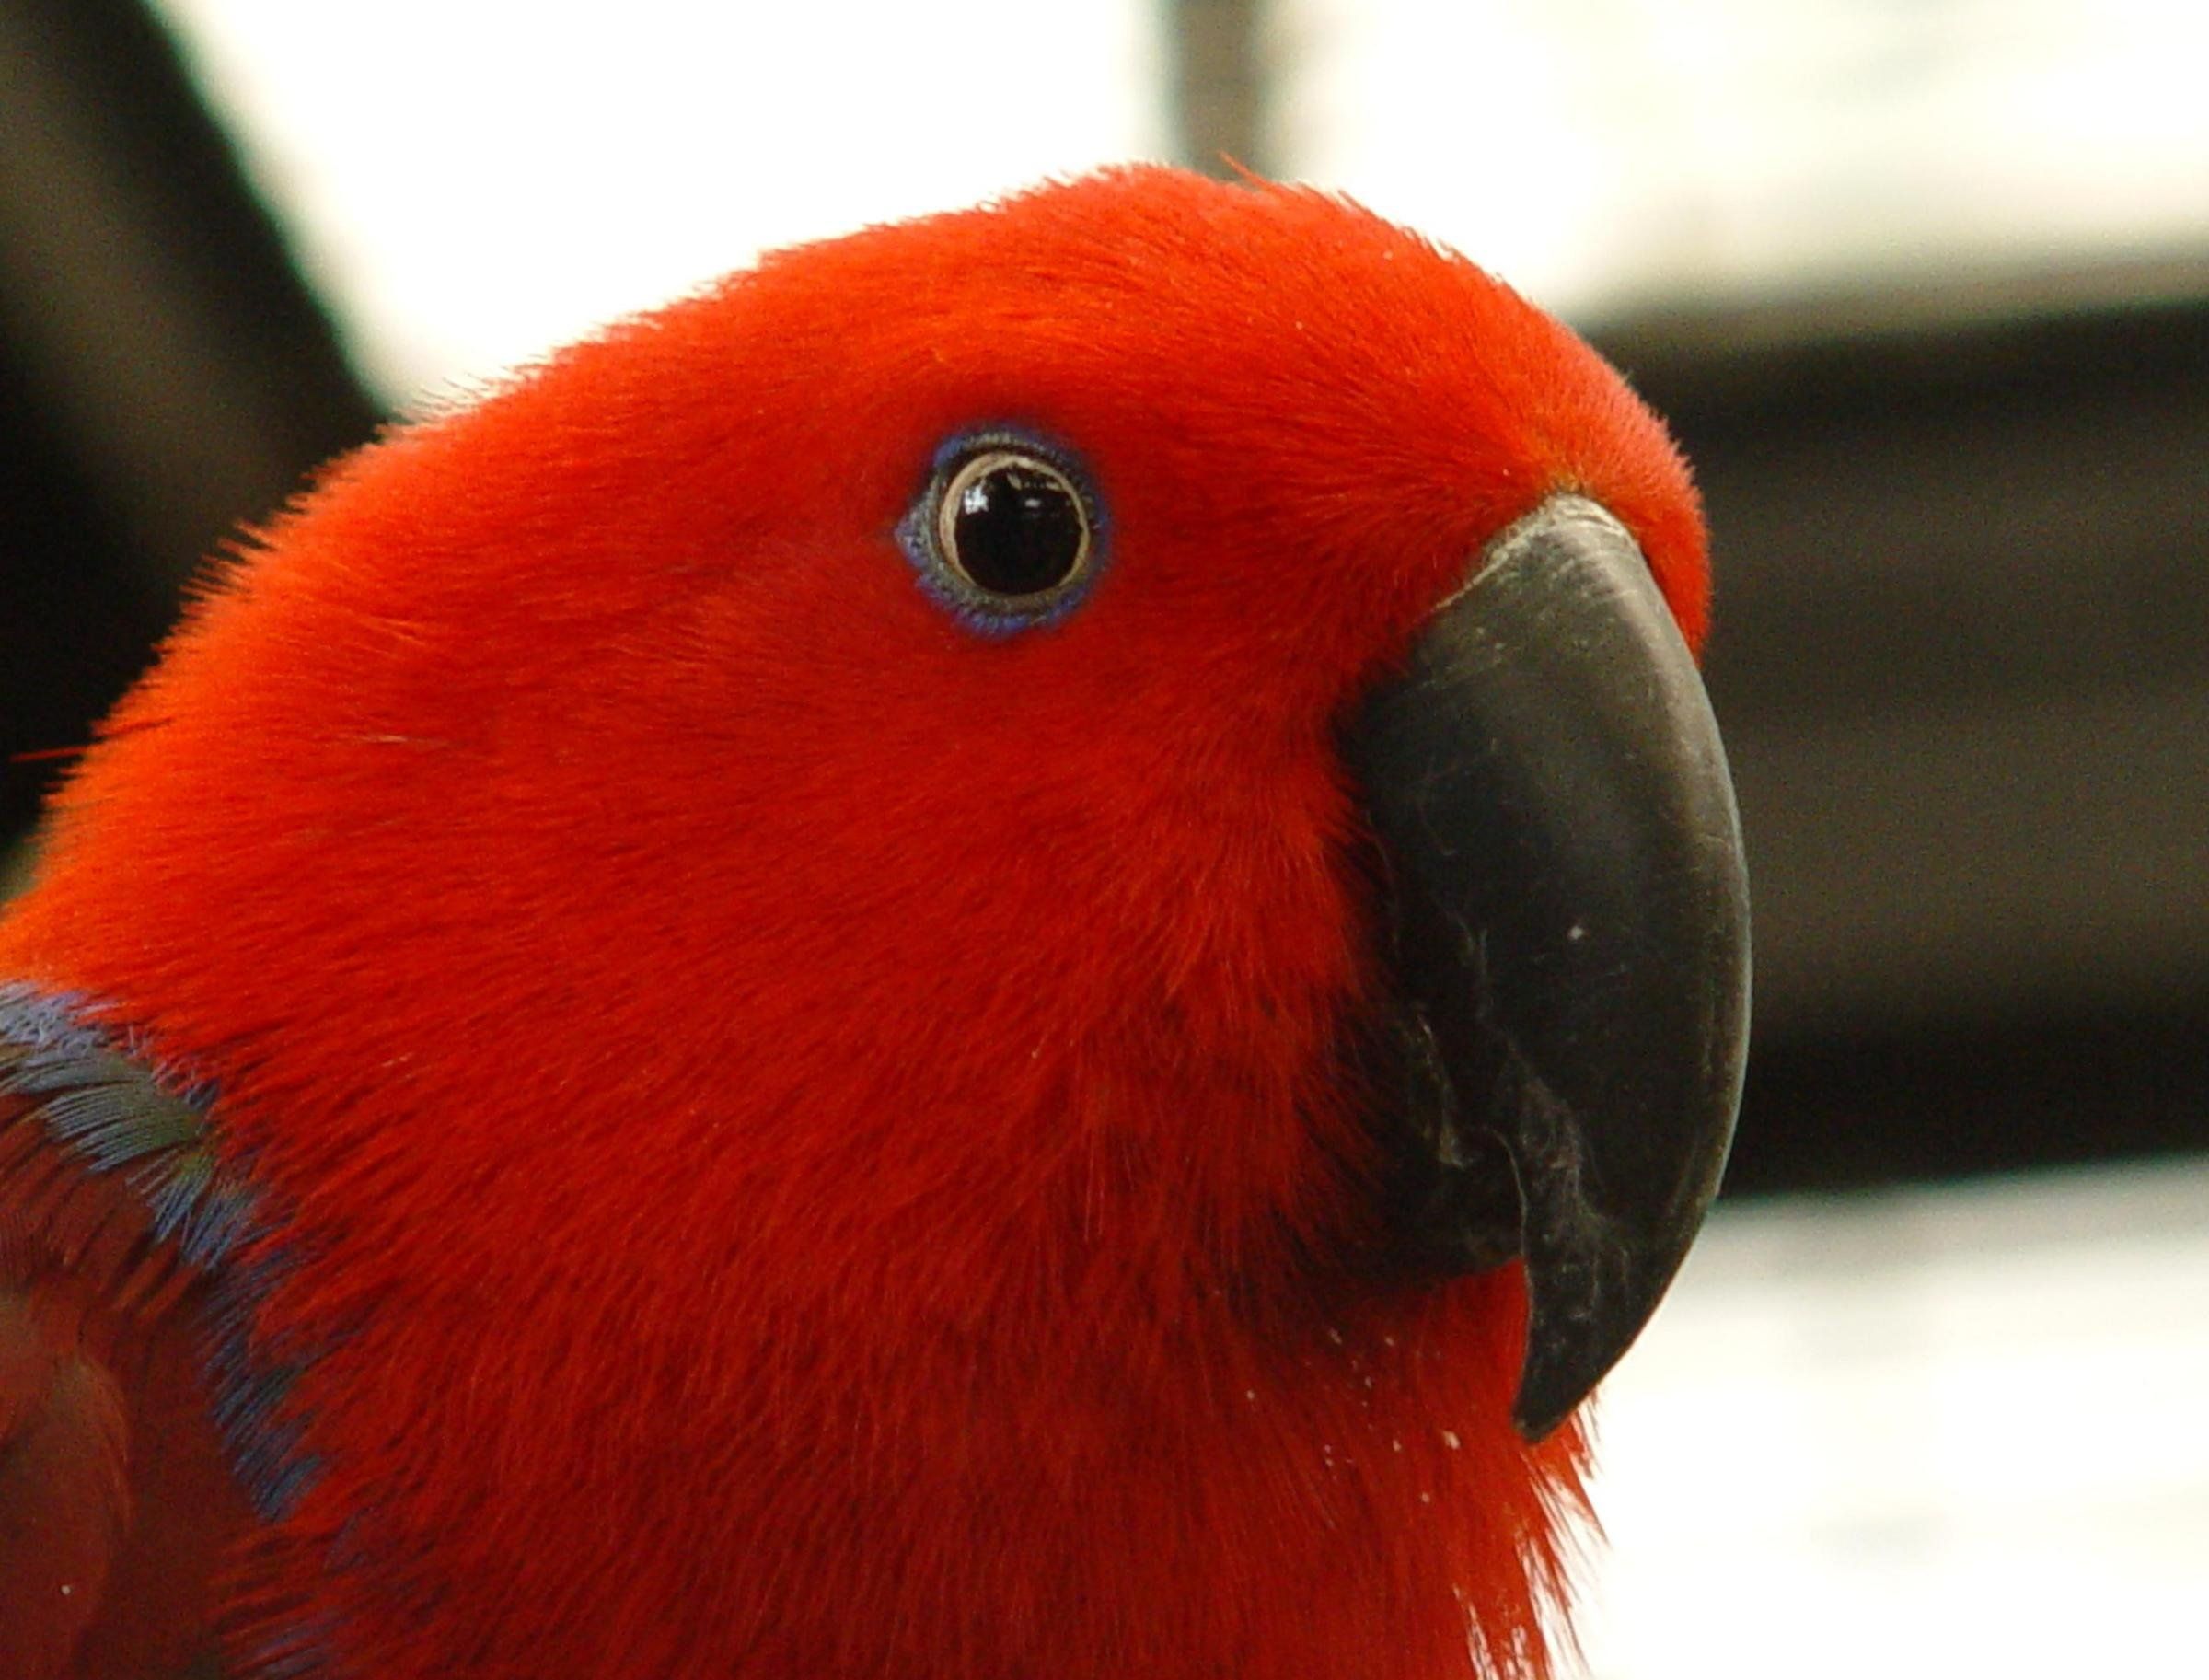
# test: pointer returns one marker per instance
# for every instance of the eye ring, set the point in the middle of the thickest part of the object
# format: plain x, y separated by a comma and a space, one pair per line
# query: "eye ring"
1007, 533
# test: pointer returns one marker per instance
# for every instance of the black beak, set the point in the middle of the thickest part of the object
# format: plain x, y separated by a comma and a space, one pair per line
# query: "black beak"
1570, 921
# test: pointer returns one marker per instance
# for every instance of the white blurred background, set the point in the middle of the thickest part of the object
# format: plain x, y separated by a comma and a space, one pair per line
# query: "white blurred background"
1955, 1432
475, 181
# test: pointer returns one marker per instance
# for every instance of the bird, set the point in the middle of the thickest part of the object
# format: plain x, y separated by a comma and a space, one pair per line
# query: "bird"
1012, 948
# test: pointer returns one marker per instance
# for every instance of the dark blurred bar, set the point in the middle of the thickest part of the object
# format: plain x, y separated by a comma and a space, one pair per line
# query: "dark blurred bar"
1216, 62
1962, 662
164, 372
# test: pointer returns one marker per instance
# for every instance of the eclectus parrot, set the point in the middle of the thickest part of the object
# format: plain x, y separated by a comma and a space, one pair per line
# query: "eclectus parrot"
1009, 951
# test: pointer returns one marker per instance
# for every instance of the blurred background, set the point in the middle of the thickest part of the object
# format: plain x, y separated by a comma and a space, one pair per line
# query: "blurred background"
1924, 289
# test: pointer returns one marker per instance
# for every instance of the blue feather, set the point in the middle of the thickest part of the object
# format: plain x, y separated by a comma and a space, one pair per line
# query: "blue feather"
106, 1107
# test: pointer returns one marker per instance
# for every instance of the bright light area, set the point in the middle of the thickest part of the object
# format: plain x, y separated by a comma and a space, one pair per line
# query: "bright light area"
1611, 152
1934, 1434
472, 183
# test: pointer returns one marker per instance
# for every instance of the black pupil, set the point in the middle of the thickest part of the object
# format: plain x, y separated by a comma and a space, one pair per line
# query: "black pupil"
1017, 530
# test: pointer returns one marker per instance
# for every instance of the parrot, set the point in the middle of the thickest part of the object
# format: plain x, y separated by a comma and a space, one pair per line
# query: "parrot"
1012, 948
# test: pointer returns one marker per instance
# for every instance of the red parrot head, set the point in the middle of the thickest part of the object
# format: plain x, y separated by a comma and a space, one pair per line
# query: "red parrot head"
1011, 949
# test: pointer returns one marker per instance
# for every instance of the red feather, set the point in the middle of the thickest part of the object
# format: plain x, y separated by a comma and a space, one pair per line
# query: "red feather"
116, 1503
810, 1140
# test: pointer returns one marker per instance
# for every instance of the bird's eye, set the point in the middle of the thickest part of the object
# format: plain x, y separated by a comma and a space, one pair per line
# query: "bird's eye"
1012, 523
1006, 533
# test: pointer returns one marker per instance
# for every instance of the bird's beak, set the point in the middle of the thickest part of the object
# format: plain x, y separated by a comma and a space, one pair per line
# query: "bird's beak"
1570, 917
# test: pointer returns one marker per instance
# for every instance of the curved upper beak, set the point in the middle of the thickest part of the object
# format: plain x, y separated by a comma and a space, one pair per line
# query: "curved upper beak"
1569, 913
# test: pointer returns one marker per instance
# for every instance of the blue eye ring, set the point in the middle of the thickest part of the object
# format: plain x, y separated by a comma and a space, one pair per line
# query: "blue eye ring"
1060, 509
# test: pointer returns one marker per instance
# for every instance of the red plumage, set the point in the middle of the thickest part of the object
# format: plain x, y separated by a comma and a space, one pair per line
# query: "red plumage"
803, 1141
